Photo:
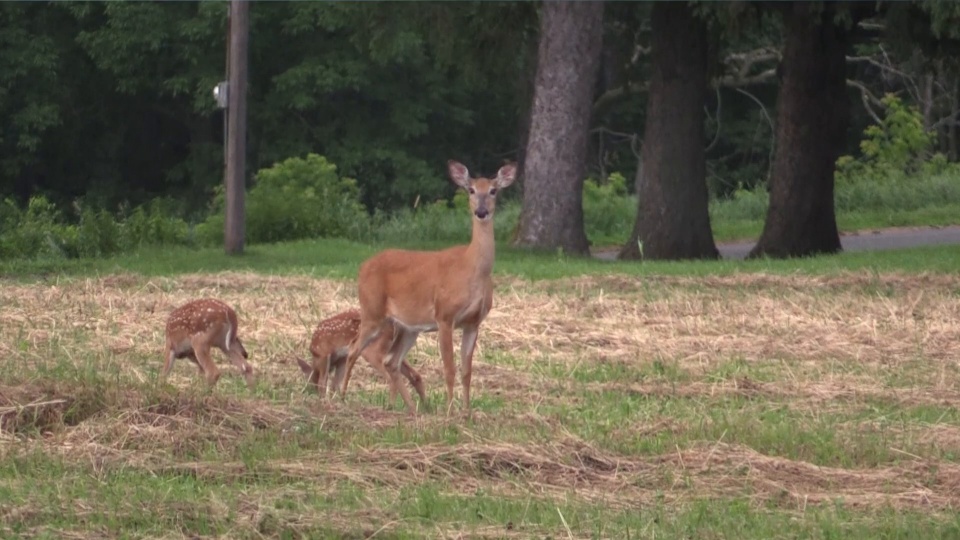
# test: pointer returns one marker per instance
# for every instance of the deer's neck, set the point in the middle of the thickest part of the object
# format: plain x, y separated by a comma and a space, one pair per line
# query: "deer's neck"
482, 250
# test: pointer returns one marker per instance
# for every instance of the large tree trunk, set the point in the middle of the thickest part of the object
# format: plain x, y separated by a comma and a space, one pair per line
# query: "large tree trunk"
673, 221
555, 160
812, 118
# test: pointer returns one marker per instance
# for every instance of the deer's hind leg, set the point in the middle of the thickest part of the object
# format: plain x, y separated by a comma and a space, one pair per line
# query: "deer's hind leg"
398, 352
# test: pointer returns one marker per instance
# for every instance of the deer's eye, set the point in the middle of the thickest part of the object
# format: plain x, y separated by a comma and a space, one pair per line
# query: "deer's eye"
493, 191
472, 191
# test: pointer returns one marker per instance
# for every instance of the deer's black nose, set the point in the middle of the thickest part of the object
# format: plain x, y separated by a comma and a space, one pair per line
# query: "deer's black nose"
481, 213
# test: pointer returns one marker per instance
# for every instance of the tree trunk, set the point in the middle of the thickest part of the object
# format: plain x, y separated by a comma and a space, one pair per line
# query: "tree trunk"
673, 221
236, 172
812, 117
555, 160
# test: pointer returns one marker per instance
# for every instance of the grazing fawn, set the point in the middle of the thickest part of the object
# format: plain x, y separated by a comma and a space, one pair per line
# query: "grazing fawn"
329, 348
426, 291
195, 327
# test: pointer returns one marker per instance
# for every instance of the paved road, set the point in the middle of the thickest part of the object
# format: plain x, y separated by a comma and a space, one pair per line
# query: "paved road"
873, 240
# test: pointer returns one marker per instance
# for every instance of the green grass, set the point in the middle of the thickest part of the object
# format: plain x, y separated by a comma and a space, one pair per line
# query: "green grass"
339, 259
867, 204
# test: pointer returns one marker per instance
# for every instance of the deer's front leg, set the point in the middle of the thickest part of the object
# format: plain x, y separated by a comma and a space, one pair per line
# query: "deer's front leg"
365, 335
467, 345
445, 335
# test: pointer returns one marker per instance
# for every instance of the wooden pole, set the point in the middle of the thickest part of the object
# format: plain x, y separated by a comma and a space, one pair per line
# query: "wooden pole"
236, 126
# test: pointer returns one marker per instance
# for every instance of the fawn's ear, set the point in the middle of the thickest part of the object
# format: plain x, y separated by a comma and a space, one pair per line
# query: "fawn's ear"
506, 175
459, 174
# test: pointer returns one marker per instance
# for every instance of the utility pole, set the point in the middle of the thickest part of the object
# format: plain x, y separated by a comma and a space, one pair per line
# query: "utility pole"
236, 149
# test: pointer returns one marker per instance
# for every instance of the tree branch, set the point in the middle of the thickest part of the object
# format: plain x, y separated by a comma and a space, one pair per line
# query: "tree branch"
773, 134
868, 98
716, 136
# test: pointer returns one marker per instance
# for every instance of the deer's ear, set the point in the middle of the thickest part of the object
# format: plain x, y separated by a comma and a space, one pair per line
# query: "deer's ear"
459, 174
506, 175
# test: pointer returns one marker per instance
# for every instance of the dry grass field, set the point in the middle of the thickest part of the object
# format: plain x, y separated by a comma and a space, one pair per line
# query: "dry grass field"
744, 406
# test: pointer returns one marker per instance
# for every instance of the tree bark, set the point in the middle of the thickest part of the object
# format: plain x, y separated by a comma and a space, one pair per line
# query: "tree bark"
555, 160
813, 113
673, 220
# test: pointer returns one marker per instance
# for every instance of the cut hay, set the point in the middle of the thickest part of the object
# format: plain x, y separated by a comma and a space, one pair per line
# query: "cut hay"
830, 343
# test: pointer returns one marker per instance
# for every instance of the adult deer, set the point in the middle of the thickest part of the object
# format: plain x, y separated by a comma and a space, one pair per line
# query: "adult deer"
196, 327
329, 348
426, 291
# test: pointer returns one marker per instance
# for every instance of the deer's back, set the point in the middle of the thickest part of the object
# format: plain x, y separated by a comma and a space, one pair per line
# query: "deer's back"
335, 332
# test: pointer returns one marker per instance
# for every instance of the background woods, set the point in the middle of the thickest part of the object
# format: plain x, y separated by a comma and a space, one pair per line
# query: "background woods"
111, 139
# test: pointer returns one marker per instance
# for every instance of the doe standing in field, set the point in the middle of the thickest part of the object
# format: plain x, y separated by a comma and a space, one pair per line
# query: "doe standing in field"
196, 327
331, 344
426, 291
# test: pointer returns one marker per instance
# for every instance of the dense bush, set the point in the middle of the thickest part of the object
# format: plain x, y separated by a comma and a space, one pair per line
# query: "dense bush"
36, 231
896, 148
295, 198
609, 212
150, 224
40, 231
442, 221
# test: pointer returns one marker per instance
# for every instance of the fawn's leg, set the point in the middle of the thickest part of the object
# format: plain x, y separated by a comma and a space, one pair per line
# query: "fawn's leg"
338, 365
235, 354
201, 348
467, 345
379, 357
192, 356
365, 335
416, 381
167, 362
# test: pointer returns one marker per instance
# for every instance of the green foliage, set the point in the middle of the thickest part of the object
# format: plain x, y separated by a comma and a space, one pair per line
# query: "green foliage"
36, 232
608, 210
897, 147
28, 85
98, 234
40, 231
151, 224
442, 221
296, 198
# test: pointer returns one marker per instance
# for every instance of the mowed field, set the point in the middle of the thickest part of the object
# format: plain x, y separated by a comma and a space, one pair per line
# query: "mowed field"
749, 405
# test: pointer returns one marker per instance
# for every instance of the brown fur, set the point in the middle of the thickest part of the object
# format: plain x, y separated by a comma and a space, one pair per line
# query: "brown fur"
329, 348
196, 327
426, 291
